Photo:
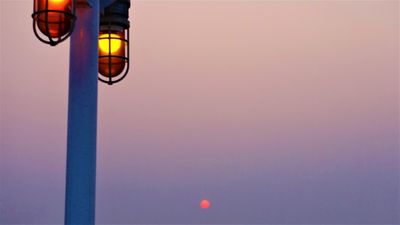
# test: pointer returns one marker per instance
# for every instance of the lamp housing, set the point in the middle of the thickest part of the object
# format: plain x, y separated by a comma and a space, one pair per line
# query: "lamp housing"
53, 20
114, 42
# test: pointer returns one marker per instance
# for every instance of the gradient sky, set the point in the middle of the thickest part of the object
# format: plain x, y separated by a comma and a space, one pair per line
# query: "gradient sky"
276, 111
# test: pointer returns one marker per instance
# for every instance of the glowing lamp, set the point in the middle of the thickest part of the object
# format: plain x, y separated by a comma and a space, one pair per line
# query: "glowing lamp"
114, 42
53, 20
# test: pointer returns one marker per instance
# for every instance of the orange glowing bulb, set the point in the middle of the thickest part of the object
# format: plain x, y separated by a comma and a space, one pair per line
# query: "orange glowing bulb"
104, 43
205, 204
54, 24
57, 4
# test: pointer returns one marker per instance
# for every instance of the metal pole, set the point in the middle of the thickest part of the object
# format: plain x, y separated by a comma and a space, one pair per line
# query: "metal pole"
82, 117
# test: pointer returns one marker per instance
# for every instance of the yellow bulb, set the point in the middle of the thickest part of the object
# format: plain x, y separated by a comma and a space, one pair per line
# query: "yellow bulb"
104, 44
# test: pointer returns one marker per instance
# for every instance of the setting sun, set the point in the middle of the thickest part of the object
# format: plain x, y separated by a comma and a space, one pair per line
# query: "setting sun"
205, 204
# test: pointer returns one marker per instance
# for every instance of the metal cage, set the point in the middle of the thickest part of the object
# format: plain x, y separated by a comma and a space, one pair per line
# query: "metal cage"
114, 30
55, 20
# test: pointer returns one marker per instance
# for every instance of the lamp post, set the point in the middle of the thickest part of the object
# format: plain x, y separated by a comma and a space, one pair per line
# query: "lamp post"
89, 55
82, 117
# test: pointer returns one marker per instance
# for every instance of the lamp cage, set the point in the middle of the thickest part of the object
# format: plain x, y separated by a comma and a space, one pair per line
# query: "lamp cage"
53, 20
114, 42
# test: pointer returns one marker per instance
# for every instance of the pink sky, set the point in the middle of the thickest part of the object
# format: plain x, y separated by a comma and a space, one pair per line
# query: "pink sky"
277, 111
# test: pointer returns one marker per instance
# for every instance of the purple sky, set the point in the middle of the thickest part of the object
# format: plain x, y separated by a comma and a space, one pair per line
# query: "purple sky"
276, 111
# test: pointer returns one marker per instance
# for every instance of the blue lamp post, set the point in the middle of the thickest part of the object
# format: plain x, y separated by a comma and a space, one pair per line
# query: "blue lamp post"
54, 22
82, 117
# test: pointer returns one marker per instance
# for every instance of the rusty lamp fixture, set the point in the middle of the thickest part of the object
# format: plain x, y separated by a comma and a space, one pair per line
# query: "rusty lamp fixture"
114, 42
55, 19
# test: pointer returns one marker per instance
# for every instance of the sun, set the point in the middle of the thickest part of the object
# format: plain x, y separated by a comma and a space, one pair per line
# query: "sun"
205, 204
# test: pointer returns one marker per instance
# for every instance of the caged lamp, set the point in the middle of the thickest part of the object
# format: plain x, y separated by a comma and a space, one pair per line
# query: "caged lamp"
53, 20
114, 42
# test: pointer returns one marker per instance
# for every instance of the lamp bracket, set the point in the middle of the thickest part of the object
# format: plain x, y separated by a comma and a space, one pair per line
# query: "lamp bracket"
84, 3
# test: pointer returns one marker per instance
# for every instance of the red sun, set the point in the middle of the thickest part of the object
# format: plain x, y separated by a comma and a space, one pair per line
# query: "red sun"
205, 204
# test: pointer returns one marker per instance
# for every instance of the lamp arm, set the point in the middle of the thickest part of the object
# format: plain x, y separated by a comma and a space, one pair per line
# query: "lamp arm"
105, 3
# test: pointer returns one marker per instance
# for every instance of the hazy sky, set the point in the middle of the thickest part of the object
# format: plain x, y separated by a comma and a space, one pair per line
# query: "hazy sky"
276, 111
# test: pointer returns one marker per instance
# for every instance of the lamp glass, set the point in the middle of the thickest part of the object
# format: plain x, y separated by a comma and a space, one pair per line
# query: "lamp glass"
104, 43
111, 53
54, 24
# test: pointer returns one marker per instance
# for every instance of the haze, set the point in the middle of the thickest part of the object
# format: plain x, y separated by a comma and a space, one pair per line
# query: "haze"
278, 112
